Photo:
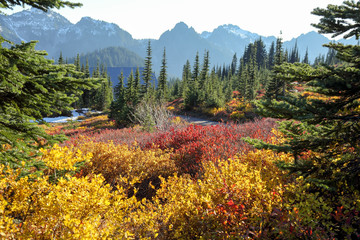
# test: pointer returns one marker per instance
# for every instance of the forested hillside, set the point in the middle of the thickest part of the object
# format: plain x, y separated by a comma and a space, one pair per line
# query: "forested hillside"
111, 57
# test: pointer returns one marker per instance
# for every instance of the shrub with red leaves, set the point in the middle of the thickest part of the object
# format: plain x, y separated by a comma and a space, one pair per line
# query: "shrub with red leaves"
194, 144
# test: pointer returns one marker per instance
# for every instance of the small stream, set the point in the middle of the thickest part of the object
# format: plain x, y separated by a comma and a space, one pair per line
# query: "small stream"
62, 119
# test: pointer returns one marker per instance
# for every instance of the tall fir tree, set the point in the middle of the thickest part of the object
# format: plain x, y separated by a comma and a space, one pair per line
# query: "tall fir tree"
205, 68
252, 79
203, 78
271, 58
234, 64
192, 94
130, 88
294, 54
96, 71
276, 86
261, 54
286, 56
77, 63
186, 78
119, 109
137, 87
196, 69
61, 59
306, 57
147, 72
162, 85
243, 81
87, 69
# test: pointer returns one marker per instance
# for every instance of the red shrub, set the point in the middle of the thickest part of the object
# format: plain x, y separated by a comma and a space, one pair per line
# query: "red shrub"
195, 144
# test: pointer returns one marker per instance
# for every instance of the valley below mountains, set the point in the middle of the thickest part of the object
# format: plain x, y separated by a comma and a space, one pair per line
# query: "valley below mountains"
89, 36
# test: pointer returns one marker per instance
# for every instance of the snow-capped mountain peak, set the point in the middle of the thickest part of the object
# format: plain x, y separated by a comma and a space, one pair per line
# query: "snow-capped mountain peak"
38, 20
239, 32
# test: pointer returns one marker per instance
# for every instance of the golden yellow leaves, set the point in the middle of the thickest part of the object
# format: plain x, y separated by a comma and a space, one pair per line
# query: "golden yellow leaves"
72, 208
63, 158
116, 162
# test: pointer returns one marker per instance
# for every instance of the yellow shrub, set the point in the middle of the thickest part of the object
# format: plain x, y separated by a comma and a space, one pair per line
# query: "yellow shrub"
213, 111
73, 208
63, 158
116, 162
232, 198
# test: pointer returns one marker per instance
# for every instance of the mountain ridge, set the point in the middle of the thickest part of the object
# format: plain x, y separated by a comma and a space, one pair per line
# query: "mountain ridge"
57, 34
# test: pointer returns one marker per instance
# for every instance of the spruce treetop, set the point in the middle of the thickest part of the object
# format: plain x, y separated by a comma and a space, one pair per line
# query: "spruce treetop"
43, 5
338, 20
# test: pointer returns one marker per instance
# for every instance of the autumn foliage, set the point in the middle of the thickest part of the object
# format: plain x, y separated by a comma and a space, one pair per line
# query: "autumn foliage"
190, 182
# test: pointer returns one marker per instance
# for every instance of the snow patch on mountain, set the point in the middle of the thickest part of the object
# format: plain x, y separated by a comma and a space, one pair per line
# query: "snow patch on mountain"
240, 32
37, 19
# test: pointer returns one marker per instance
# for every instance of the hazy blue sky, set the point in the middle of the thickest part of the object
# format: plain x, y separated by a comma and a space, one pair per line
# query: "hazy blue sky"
150, 18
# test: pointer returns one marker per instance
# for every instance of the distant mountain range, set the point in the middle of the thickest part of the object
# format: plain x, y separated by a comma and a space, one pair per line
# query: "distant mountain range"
56, 34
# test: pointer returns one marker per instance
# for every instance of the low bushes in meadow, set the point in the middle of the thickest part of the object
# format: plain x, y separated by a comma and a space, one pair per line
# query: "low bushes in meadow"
190, 182
195, 144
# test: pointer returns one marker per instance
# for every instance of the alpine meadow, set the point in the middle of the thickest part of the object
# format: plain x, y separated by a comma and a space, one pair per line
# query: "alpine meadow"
219, 135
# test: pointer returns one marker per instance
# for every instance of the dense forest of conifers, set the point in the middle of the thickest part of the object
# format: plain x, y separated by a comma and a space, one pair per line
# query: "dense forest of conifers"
201, 86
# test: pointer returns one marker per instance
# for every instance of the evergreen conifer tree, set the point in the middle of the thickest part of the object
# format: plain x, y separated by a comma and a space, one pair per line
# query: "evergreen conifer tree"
306, 57
186, 78
242, 83
61, 59
286, 56
213, 90
43, 5
261, 54
77, 63
31, 88
162, 85
137, 87
271, 58
237, 77
252, 80
326, 123
234, 64
147, 72
87, 69
276, 86
96, 71
294, 54
119, 109
130, 88
196, 69
203, 78
192, 94
205, 69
